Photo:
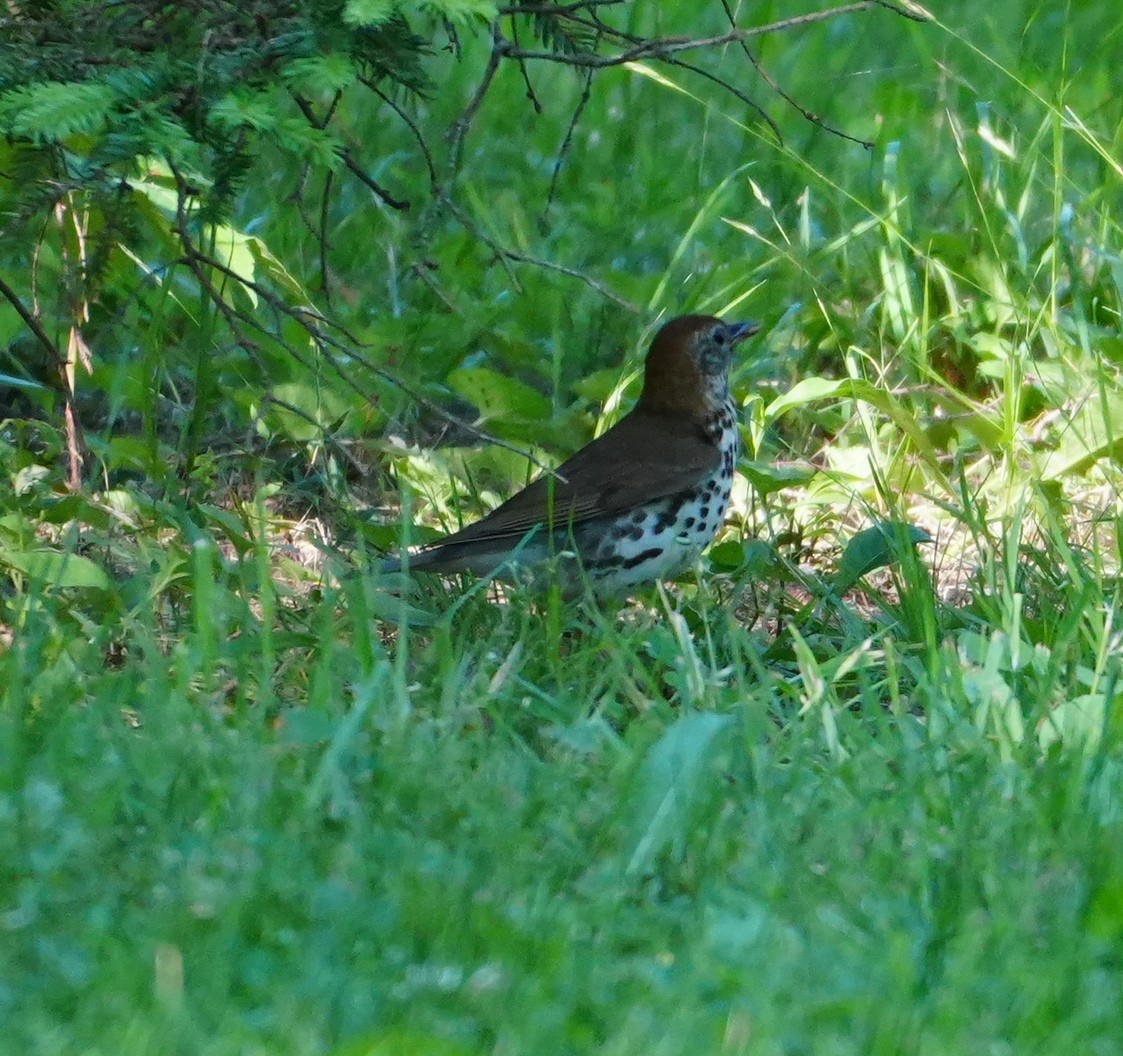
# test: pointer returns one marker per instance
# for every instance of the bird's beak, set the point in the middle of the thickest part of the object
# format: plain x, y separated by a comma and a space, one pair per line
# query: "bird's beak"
739, 331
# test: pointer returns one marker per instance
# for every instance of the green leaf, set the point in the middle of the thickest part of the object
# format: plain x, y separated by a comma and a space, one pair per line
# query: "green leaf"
322, 73
752, 558
1095, 431
376, 12
809, 390
875, 547
11, 382
403, 1043
671, 777
459, 10
768, 477
812, 390
498, 396
56, 569
1076, 724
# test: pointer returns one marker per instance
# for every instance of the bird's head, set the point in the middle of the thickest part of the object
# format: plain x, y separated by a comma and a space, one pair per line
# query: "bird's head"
687, 369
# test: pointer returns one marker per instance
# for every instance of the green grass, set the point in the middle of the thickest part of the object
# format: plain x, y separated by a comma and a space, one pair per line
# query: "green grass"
651, 842
251, 803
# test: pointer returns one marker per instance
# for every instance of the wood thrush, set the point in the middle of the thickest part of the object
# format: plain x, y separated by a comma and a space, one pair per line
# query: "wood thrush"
637, 504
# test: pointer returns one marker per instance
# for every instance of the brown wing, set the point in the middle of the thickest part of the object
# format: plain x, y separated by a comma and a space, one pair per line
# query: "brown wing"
642, 457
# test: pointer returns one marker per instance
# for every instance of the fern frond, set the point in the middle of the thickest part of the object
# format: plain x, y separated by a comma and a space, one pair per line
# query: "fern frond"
53, 111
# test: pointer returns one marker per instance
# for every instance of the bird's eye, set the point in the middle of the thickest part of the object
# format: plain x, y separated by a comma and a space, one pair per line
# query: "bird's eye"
719, 335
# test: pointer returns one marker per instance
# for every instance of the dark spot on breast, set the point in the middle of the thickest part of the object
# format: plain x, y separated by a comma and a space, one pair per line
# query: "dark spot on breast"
644, 555
670, 512
688, 523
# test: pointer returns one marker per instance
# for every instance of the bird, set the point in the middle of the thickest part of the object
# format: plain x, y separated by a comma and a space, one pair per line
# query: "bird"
636, 505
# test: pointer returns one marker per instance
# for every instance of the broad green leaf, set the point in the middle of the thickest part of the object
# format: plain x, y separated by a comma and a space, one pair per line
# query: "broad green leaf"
811, 390
752, 558
17, 529
875, 547
769, 477
272, 266
29, 478
498, 396
670, 782
1076, 724
1095, 431
56, 569
232, 248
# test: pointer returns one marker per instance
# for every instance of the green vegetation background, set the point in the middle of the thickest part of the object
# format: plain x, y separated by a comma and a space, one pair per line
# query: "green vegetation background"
250, 806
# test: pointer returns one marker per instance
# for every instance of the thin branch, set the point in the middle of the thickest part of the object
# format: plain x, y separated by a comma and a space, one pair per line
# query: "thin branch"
33, 324
335, 442
573, 273
505, 255
325, 205
736, 92
196, 259
410, 124
771, 82
557, 9
666, 46
75, 444
530, 93
586, 95
500, 46
348, 157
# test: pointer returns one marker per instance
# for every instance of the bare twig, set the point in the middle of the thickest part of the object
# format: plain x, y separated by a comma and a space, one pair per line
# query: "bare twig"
666, 46
771, 82
325, 204
530, 93
573, 273
348, 157
456, 134
505, 255
735, 91
75, 443
409, 123
309, 319
586, 95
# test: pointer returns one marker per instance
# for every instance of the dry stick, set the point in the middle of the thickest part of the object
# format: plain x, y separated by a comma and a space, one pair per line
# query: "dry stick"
351, 460
530, 94
573, 273
772, 83
672, 45
325, 205
456, 136
75, 442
